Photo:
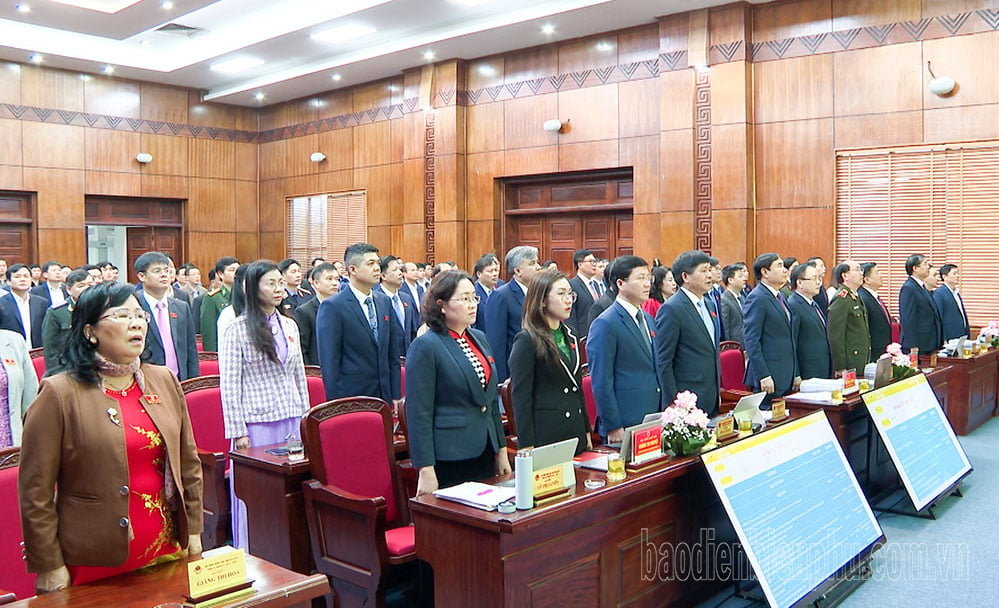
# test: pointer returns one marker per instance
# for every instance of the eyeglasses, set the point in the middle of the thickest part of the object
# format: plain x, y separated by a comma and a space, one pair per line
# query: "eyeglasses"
125, 315
566, 295
466, 300
157, 271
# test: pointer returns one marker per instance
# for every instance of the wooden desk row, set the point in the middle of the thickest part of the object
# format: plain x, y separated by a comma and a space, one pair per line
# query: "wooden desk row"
974, 389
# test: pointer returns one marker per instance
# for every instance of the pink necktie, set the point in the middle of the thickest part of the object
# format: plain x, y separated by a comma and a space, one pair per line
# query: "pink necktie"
163, 325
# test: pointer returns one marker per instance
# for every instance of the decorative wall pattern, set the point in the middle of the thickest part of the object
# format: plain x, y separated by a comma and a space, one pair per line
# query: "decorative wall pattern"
702, 161
429, 181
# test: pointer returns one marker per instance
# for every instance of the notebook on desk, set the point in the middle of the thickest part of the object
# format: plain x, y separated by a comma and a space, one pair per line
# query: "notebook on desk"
475, 494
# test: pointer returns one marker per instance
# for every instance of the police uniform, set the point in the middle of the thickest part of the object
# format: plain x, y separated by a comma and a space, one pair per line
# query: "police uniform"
849, 333
55, 333
293, 300
212, 304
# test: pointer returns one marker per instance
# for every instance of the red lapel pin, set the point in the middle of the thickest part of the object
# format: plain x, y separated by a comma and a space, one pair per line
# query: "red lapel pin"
173, 315
153, 399
10, 362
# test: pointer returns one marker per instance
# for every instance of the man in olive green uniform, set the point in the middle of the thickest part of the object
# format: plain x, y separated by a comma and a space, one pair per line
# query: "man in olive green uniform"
55, 326
214, 301
849, 334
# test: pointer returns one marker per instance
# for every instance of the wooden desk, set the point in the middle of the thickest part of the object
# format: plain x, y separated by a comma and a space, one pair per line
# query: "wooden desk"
585, 550
276, 587
973, 391
861, 443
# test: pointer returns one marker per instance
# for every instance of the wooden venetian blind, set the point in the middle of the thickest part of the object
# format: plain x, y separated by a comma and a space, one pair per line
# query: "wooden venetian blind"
940, 201
325, 224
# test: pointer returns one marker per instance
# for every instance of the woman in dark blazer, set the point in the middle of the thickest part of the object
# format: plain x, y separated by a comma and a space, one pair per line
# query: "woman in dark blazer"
455, 430
546, 378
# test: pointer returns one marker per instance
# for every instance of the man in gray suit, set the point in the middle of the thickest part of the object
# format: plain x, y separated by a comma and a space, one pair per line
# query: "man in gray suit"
734, 278
170, 336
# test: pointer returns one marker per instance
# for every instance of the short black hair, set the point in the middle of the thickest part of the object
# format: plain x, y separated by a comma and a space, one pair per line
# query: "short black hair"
912, 261
579, 256
789, 261
816, 258
224, 262
484, 262
14, 268
85, 268
798, 271
286, 263
76, 276
49, 264
147, 259
319, 270
212, 273
712, 260
867, 267
442, 288
623, 265
354, 253
104, 264
946, 268
385, 260
764, 260
687, 261
729, 271
838, 272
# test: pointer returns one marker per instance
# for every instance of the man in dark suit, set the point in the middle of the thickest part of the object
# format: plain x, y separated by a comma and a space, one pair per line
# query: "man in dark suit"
921, 326
849, 331
732, 300
486, 272
950, 304
879, 319
170, 337
808, 325
506, 305
20, 310
772, 364
621, 351
587, 289
822, 299
358, 333
687, 336
402, 303
325, 280
605, 301
51, 288
411, 278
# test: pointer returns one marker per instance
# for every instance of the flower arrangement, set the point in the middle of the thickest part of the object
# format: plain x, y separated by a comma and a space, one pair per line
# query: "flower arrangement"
685, 426
990, 334
901, 365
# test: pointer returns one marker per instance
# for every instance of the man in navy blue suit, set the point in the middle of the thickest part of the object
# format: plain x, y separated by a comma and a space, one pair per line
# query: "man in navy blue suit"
822, 299
773, 365
486, 273
52, 288
921, 326
687, 336
811, 345
953, 316
402, 303
506, 305
587, 289
411, 284
358, 333
170, 337
622, 353
20, 310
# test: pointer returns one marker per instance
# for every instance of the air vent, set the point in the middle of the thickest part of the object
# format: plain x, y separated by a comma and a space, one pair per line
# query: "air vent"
179, 29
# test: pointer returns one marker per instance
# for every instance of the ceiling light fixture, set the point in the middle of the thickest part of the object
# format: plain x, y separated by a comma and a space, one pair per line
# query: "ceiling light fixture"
236, 65
259, 95
22, 8
108, 69
429, 55
605, 47
343, 33
336, 77
548, 29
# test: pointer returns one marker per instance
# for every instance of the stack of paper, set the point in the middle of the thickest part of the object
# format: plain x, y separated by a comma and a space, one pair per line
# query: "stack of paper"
824, 397
479, 495
821, 385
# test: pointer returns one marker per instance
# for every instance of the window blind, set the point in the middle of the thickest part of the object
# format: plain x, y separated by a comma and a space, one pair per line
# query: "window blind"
325, 224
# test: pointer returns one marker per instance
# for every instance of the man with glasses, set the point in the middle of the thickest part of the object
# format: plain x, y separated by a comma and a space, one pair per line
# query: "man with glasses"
587, 288
809, 324
170, 338
506, 305
849, 334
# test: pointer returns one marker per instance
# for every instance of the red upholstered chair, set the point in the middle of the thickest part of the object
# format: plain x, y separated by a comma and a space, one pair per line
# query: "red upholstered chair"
317, 390
204, 406
896, 332
507, 398
14, 576
208, 363
591, 407
197, 340
582, 351
733, 366
358, 521
402, 381
38, 360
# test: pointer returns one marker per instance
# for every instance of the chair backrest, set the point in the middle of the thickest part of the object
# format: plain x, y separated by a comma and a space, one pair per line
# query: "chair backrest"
38, 360
208, 363
204, 405
507, 399
402, 381
582, 350
591, 402
896, 332
197, 341
733, 366
349, 443
14, 574
314, 380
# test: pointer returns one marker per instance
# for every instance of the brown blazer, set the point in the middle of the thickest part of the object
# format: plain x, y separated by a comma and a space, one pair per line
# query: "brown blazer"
70, 441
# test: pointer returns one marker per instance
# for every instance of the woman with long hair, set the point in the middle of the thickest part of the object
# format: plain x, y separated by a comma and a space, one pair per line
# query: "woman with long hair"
546, 378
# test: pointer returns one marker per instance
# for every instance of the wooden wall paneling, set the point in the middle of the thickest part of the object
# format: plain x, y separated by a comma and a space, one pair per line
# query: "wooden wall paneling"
530, 161
111, 97
336, 181
866, 130
413, 135
47, 88
564, 237
849, 14
482, 189
53, 146
248, 246
246, 118
171, 155
273, 246
10, 141
302, 185
300, 150
676, 101
377, 181
802, 233
527, 64
396, 188
373, 95
273, 117
209, 114
589, 155
247, 215
961, 123
523, 119
245, 161
638, 107
397, 153
211, 205
484, 127
591, 114
731, 235
450, 128
882, 79
338, 146
11, 178
937, 8
731, 93
371, 144
273, 156
300, 111
731, 174
676, 233
780, 20
484, 236
114, 184
381, 237
638, 44
794, 164
731, 23
450, 188
646, 241
413, 173
10, 83
950, 57
485, 72
676, 158
166, 186
585, 53
209, 247
161, 102
60, 197
624, 226
793, 89
334, 103
69, 246
642, 153
107, 150
674, 31
412, 246
212, 158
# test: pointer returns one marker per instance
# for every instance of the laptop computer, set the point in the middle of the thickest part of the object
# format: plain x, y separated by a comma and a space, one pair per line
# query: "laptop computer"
882, 373
557, 453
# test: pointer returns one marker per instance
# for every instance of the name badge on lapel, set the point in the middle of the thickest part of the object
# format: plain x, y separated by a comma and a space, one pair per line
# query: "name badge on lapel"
10, 362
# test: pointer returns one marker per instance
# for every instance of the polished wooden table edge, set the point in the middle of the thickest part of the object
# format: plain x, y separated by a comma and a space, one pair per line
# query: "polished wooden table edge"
313, 586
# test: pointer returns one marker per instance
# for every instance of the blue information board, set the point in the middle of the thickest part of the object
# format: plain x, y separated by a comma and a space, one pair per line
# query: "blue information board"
795, 505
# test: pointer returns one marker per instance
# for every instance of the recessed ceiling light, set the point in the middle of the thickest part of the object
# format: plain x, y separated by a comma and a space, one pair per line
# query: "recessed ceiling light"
487, 70
548, 29
259, 95
22, 8
429, 55
236, 65
342, 33
36, 58
108, 69
605, 47
166, 5
337, 77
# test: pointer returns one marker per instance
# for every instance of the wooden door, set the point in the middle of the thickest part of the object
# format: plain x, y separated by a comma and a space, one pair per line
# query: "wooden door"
15, 229
139, 240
